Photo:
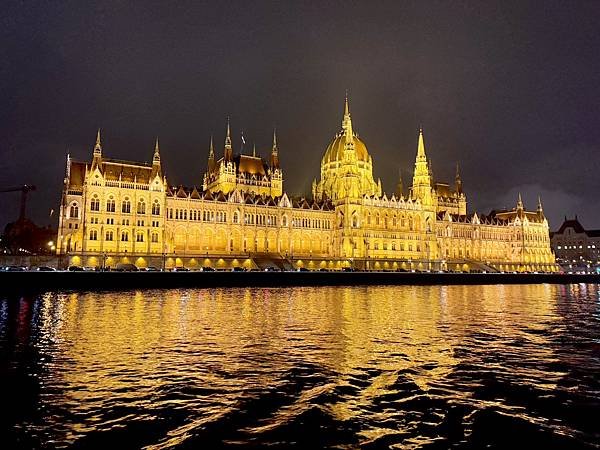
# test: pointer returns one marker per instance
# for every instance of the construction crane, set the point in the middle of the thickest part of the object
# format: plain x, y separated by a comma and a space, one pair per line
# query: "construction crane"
24, 189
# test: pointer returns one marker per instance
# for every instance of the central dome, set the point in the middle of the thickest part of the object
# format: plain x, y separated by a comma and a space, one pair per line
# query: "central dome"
335, 149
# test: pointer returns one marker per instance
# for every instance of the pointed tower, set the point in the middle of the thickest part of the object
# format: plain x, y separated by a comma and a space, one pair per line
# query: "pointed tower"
540, 209
458, 181
156, 169
400, 186
274, 152
211, 156
228, 154
422, 187
254, 149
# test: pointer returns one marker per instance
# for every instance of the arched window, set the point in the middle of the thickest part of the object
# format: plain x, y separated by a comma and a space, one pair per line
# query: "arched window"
124, 236
139, 237
109, 235
236, 217
141, 206
110, 204
154, 237
74, 211
284, 221
93, 235
95, 203
126, 206
156, 208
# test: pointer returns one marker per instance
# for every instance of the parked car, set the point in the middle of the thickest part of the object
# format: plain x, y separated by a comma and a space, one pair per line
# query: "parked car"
126, 267
152, 269
238, 269
181, 269
15, 269
75, 269
347, 269
207, 269
301, 269
271, 269
323, 269
45, 269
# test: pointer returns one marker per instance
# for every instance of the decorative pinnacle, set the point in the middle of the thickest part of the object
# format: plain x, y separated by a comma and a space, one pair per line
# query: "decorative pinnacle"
254, 149
211, 148
274, 140
520, 202
156, 148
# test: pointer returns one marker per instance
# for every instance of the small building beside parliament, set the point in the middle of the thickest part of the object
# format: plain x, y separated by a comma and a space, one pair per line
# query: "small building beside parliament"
115, 211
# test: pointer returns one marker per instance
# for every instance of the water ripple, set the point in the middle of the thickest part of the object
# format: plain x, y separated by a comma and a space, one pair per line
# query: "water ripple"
463, 367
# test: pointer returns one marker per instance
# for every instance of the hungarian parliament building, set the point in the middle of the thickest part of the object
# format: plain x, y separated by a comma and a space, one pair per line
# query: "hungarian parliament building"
114, 211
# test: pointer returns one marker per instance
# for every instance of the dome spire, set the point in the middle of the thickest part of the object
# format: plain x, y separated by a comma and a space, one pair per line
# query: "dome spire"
347, 121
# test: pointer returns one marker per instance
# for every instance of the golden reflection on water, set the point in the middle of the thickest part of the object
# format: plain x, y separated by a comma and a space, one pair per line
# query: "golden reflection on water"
106, 349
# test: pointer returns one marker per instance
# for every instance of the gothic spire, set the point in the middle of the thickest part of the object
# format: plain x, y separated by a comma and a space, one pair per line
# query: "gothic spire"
156, 151
458, 181
519, 202
254, 149
98, 146
228, 148
274, 152
211, 156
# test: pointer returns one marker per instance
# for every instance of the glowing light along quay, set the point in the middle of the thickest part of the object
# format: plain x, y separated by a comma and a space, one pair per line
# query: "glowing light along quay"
114, 211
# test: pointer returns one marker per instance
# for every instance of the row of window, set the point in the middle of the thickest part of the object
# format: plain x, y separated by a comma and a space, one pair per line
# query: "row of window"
573, 247
109, 236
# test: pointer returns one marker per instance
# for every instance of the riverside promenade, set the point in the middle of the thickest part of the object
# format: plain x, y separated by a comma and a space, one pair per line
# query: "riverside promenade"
20, 282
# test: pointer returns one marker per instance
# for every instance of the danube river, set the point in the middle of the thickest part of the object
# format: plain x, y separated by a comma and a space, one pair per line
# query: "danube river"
326, 367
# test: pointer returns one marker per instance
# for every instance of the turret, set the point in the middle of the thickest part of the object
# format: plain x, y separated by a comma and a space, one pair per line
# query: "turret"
97, 155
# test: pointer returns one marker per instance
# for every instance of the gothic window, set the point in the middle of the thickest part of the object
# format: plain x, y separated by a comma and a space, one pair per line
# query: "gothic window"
154, 237
95, 203
110, 204
74, 211
236, 217
109, 235
156, 208
284, 221
141, 206
139, 237
93, 235
126, 206
124, 236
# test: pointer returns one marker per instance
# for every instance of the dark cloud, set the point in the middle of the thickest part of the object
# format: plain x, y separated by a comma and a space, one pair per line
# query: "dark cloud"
508, 89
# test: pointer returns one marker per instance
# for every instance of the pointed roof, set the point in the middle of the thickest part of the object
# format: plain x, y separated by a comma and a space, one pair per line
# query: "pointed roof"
519, 202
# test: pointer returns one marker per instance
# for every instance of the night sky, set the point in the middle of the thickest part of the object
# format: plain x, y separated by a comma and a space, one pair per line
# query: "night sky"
509, 90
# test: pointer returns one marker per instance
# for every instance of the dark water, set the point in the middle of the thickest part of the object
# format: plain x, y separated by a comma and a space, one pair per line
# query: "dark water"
372, 367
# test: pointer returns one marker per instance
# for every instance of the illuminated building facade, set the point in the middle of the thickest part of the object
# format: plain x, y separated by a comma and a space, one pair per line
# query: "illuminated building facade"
115, 211
575, 247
